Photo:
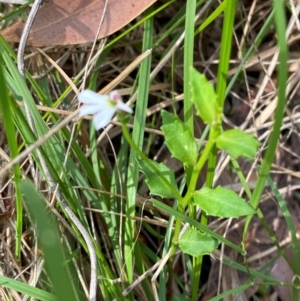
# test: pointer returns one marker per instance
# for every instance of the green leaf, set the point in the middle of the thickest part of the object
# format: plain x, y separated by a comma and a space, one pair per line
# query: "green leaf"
26, 289
238, 143
7, 116
196, 243
155, 183
203, 97
49, 240
177, 297
179, 139
222, 202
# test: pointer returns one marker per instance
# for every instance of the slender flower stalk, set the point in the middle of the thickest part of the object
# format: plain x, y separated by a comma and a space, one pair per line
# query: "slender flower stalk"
103, 107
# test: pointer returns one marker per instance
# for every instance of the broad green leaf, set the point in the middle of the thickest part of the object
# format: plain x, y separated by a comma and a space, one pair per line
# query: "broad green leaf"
196, 243
222, 202
238, 143
154, 180
203, 97
179, 139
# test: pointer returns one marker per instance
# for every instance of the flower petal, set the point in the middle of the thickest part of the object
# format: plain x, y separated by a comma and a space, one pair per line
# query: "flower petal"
115, 96
122, 106
91, 97
90, 109
103, 118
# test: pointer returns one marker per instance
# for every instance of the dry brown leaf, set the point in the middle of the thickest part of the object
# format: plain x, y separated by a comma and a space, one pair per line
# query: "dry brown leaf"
76, 21
282, 271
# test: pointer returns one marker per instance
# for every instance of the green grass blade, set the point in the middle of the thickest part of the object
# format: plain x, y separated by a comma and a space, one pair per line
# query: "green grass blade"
49, 240
212, 16
188, 59
295, 265
138, 138
11, 135
226, 46
188, 63
26, 289
282, 80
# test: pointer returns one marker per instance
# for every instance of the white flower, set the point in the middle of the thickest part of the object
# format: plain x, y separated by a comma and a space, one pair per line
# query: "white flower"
102, 106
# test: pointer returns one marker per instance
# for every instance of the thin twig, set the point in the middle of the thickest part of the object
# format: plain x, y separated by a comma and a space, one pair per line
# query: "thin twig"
25, 35
51, 181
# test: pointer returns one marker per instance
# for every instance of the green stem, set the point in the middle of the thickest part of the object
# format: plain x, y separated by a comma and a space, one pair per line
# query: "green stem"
226, 46
182, 205
192, 186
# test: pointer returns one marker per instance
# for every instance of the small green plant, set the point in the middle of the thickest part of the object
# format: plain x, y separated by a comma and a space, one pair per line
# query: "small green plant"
109, 245
182, 145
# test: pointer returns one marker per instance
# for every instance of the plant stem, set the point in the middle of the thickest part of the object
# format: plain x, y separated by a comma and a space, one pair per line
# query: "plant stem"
197, 169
